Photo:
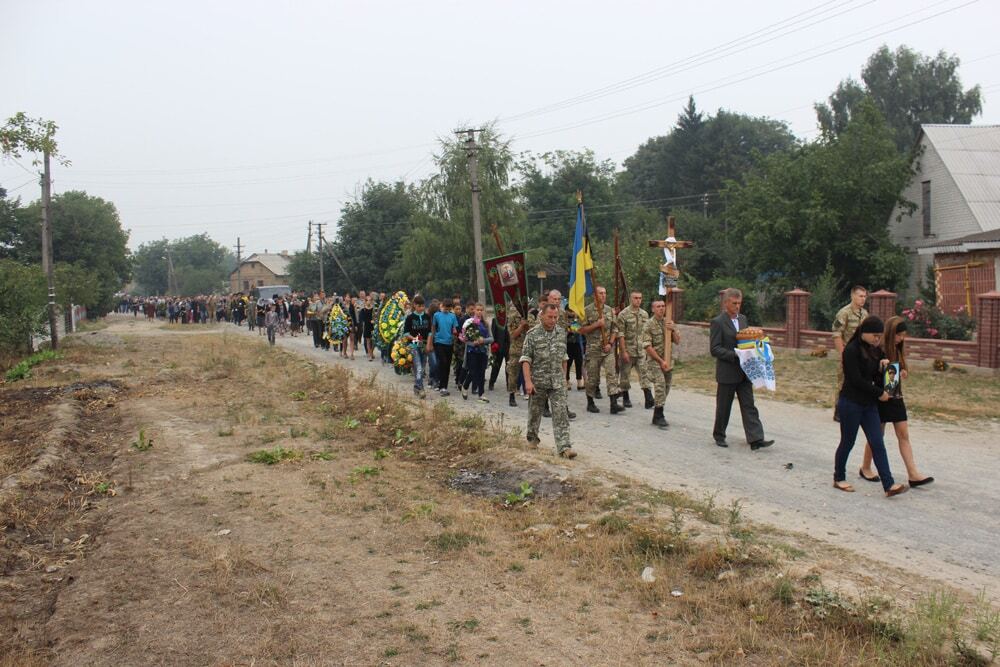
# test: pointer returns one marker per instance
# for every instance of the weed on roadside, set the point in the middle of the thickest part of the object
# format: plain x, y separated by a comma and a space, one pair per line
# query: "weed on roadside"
275, 455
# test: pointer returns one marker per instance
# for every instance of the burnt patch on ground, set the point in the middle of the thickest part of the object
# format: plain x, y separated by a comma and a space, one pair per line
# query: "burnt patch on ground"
493, 483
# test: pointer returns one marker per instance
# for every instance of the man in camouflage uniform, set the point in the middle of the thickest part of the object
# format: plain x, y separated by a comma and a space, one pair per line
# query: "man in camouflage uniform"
658, 367
631, 321
543, 362
844, 324
517, 328
601, 330
555, 298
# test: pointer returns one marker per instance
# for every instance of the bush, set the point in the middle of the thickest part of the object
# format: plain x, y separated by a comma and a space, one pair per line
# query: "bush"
926, 321
825, 300
23, 302
701, 300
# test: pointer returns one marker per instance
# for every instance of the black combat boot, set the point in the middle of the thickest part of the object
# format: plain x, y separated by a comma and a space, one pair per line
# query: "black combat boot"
512, 402
615, 408
658, 419
626, 401
648, 394
597, 393
570, 414
590, 405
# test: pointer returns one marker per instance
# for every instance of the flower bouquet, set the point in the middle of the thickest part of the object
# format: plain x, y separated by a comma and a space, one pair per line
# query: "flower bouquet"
338, 325
390, 320
470, 331
402, 357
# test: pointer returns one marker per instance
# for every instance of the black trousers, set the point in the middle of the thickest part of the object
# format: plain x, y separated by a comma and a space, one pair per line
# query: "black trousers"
575, 360
498, 362
743, 391
443, 353
317, 332
475, 372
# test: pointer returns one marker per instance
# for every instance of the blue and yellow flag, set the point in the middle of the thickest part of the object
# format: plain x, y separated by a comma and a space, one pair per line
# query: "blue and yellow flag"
580, 285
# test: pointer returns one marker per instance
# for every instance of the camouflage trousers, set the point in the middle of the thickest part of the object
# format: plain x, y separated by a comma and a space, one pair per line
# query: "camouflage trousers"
641, 368
513, 369
661, 382
556, 397
596, 363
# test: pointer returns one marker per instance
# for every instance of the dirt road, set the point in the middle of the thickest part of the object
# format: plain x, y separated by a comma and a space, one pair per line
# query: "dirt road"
949, 530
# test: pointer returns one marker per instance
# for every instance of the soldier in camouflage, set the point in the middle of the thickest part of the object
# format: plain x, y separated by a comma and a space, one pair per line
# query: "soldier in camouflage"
601, 330
631, 321
658, 366
555, 298
517, 328
543, 362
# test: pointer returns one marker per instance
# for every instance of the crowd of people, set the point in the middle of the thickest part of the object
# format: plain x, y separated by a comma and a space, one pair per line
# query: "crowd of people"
543, 351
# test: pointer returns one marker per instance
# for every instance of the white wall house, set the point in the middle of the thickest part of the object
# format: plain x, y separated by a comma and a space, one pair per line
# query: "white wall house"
956, 224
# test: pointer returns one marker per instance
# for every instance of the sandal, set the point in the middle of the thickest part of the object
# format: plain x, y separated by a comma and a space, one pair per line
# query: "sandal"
874, 478
843, 486
895, 490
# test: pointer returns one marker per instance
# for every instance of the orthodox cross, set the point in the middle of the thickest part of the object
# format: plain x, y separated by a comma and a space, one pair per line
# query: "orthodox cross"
669, 273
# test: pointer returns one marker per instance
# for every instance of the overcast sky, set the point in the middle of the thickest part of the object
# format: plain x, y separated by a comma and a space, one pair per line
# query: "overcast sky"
250, 118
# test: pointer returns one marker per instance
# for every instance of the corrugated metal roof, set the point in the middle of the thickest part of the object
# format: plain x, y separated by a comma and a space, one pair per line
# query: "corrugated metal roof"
971, 154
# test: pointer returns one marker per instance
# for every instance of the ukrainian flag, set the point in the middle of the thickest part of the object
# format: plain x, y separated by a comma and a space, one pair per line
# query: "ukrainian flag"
580, 285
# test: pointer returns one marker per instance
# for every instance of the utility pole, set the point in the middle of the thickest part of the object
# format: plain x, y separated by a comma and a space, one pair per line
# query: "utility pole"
704, 204
309, 237
47, 258
472, 153
319, 244
171, 278
239, 266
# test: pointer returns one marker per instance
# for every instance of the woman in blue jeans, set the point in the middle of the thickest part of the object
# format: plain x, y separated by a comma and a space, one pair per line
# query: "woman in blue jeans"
863, 361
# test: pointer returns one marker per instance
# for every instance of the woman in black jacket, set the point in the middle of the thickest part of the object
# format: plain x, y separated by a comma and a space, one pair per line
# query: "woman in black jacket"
863, 361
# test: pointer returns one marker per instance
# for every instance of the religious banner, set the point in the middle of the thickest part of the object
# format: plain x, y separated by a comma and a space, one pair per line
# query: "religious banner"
507, 280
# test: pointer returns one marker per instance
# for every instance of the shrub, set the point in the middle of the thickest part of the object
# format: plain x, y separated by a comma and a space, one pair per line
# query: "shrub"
927, 321
701, 300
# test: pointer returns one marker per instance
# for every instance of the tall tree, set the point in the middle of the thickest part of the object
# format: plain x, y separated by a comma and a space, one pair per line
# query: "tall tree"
87, 232
699, 155
909, 89
824, 204
370, 234
437, 255
201, 265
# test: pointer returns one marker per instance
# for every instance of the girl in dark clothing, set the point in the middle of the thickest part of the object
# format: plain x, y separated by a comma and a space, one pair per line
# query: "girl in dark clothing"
366, 323
574, 350
863, 361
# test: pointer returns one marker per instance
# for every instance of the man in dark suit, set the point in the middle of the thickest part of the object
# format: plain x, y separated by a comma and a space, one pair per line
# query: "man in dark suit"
731, 378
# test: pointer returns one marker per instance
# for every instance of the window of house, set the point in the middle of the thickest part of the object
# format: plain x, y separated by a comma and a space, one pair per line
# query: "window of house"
925, 206
260, 283
246, 284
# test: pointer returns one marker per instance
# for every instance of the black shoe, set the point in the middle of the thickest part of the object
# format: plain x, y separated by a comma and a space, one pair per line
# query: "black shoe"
615, 408
920, 482
626, 401
597, 394
658, 419
760, 444
875, 478
648, 395
721, 442
572, 415
591, 407
533, 440
491, 386
512, 402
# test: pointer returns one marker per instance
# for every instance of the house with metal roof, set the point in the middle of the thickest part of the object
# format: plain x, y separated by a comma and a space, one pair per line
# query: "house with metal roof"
259, 269
955, 227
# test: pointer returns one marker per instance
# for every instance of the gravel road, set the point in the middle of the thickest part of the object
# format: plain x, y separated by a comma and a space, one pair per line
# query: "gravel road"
948, 530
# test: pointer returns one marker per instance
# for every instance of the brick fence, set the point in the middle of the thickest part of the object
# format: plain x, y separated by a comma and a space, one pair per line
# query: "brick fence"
984, 351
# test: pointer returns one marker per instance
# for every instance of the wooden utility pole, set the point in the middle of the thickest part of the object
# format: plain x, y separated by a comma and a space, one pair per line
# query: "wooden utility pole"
319, 244
472, 153
239, 266
47, 258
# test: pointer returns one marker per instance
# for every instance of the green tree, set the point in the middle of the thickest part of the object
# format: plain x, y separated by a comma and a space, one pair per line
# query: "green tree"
201, 265
23, 301
86, 232
826, 203
699, 155
909, 88
370, 235
303, 271
437, 255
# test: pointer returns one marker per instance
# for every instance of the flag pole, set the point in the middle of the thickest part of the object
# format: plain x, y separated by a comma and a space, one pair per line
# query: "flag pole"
593, 271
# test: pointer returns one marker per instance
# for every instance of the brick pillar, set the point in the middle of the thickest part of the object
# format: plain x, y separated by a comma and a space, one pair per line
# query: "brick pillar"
882, 304
988, 329
677, 295
796, 316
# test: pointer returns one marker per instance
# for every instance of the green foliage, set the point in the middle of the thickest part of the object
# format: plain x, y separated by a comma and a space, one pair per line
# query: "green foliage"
86, 233
455, 540
201, 265
700, 154
909, 89
928, 286
22, 370
702, 301
825, 300
22, 304
928, 321
142, 443
33, 135
275, 455
824, 204
521, 495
